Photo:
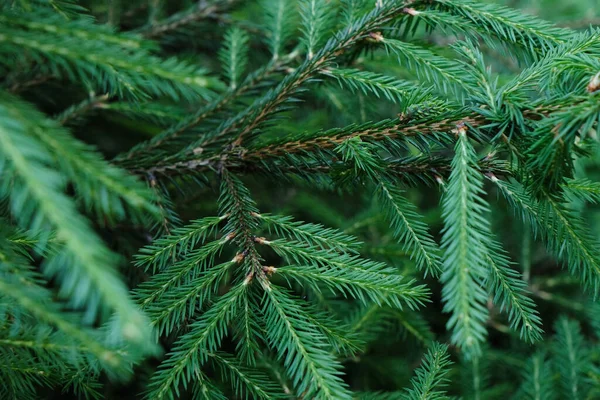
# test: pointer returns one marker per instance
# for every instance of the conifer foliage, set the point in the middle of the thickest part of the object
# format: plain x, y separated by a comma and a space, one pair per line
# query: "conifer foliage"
306, 199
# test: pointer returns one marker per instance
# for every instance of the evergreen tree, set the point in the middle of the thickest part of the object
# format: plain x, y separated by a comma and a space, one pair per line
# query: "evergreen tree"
313, 199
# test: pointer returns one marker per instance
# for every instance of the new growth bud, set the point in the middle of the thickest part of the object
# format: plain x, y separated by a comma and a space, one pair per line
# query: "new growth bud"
594, 84
376, 37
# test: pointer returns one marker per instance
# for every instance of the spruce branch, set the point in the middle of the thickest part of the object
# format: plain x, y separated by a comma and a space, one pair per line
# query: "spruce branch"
313, 234
316, 19
584, 189
279, 15
507, 24
72, 114
537, 383
247, 382
366, 286
252, 304
404, 220
443, 74
181, 302
563, 232
192, 350
248, 330
571, 358
314, 371
248, 120
34, 300
464, 263
105, 61
181, 272
173, 133
234, 55
430, 379
156, 256
392, 89
409, 228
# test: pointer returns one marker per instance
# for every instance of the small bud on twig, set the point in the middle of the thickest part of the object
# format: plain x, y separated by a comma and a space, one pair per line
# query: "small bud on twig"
376, 37
269, 270
239, 257
594, 84
439, 180
230, 236
261, 240
492, 177
489, 156
461, 129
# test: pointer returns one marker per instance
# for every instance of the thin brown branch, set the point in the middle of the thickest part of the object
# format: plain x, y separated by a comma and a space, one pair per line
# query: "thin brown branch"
397, 129
250, 83
248, 120
199, 12
91, 103
18, 87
